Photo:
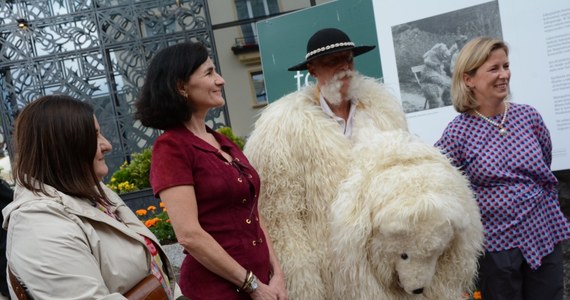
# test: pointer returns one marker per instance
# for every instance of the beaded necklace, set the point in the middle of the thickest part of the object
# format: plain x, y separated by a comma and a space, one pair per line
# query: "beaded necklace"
502, 130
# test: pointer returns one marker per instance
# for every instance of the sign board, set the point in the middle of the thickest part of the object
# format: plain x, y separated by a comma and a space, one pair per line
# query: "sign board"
283, 42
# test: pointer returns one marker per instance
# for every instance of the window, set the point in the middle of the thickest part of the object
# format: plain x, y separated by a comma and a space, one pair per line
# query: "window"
248, 9
258, 87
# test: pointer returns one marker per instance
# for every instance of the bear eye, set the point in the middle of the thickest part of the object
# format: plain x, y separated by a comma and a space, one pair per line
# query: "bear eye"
404, 256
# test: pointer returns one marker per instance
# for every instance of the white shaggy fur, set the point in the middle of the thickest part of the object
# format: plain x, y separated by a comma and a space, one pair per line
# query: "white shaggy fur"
302, 157
403, 220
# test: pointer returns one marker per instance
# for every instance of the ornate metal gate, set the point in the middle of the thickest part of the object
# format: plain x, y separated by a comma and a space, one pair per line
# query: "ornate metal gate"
97, 51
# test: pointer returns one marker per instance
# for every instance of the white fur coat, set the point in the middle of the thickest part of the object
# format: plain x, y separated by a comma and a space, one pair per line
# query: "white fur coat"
302, 157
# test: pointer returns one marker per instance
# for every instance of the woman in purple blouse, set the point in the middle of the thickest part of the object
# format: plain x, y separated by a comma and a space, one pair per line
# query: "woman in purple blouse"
505, 150
205, 181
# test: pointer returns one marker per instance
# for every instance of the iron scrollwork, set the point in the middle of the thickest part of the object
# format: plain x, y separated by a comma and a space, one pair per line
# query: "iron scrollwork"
97, 50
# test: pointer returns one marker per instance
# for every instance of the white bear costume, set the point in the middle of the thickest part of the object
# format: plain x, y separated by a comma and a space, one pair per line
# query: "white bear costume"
404, 225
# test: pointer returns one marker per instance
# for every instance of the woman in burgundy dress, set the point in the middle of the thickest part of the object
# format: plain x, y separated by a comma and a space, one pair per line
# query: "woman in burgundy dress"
207, 184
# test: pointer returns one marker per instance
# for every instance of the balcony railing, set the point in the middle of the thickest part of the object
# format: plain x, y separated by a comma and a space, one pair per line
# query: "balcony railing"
245, 44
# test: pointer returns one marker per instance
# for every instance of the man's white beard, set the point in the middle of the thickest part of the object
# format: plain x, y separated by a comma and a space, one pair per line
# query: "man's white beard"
331, 90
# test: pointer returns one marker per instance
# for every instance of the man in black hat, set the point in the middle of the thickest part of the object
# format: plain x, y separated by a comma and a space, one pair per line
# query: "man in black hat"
301, 147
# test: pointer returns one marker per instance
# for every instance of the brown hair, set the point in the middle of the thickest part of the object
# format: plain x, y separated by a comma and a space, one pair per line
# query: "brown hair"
56, 143
474, 54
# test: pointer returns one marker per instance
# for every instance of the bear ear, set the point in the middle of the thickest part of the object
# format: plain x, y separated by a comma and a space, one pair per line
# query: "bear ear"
456, 215
459, 224
390, 226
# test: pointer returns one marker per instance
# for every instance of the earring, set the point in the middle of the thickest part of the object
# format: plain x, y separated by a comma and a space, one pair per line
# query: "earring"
184, 94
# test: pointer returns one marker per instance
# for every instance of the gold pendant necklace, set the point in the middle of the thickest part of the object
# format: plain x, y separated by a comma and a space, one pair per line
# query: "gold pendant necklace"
502, 130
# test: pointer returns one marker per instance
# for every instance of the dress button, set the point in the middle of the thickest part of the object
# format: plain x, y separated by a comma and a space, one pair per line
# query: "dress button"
243, 200
254, 243
239, 179
248, 221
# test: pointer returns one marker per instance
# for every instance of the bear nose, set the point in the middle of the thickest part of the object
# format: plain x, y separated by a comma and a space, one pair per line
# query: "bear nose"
418, 291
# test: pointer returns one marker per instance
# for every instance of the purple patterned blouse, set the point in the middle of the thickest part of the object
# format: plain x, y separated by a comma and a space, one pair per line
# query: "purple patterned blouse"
511, 178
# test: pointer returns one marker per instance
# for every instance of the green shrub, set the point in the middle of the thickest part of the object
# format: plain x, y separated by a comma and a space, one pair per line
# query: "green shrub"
133, 176
158, 222
227, 131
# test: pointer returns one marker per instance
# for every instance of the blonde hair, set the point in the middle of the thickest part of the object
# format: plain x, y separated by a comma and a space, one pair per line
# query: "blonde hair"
474, 54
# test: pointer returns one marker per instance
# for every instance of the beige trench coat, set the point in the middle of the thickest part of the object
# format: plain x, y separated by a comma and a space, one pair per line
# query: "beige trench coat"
63, 247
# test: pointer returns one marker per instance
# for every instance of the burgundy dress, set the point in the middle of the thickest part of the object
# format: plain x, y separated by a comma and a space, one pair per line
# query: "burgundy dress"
226, 196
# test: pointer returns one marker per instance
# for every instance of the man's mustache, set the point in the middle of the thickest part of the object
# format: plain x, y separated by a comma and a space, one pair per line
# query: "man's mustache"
342, 74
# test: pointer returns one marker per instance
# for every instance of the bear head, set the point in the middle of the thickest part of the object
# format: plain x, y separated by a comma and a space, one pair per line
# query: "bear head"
436, 57
407, 243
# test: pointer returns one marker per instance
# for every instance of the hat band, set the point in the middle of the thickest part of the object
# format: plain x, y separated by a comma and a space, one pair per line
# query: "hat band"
329, 47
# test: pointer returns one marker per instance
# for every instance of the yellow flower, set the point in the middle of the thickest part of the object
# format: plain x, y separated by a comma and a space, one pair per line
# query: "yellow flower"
113, 179
126, 186
151, 208
161, 204
141, 212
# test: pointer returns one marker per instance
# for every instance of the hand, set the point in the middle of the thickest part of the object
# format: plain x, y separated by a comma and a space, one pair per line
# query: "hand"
264, 292
277, 281
273, 291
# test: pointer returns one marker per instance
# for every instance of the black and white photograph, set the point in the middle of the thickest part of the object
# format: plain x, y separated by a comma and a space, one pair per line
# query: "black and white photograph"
426, 50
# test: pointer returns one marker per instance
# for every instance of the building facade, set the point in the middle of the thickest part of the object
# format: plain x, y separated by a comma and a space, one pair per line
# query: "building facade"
241, 67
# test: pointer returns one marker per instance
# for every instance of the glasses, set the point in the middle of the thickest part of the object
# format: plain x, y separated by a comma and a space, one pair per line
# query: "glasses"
336, 59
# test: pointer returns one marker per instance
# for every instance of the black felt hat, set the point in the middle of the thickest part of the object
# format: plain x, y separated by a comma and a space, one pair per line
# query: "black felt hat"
327, 41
